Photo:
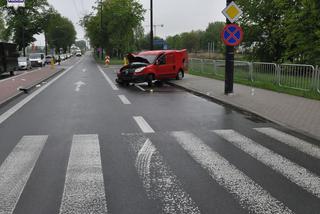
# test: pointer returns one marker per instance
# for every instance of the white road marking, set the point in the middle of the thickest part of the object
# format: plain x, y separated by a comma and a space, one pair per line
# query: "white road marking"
144, 126
84, 190
84, 70
78, 85
139, 87
251, 196
16, 169
124, 99
159, 181
143, 162
19, 105
292, 141
113, 86
295, 173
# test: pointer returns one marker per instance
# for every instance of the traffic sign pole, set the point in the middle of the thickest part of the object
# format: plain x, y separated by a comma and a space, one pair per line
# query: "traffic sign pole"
229, 72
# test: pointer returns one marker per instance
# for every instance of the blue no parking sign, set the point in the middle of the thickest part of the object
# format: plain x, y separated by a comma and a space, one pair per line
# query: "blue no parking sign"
232, 35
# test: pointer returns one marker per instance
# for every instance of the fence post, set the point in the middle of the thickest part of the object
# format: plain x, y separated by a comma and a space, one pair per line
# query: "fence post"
278, 73
202, 65
251, 71
314, 83
214, 67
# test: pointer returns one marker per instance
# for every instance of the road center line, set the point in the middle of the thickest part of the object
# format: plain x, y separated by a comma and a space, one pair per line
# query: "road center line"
113, 86
19, 105
124, 99
84, 190
295, 173
16, 169
144, 126
251, 195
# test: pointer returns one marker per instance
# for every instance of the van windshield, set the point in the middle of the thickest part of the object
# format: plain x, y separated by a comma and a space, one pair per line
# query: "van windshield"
35, 56
150, 58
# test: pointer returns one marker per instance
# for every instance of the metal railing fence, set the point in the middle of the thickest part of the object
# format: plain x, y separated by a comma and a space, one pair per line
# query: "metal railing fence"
295, 76
300, 77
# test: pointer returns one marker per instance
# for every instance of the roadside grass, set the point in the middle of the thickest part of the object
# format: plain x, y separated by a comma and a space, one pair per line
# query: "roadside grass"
263, 81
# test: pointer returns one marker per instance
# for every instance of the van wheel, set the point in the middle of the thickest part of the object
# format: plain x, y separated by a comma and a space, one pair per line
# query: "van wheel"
149, 79
180, 75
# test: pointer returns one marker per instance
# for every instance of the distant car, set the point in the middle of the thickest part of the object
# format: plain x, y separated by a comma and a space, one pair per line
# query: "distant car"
49, 58
78, 53
154, 65
24, 63
37, 59
63, 57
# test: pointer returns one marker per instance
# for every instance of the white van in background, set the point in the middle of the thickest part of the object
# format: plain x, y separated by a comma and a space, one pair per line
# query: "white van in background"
37, 59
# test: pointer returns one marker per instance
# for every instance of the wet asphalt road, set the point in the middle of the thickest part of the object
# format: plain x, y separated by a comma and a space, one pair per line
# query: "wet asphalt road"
149, 150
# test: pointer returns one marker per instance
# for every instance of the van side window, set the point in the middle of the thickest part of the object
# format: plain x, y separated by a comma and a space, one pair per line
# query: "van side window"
162, 60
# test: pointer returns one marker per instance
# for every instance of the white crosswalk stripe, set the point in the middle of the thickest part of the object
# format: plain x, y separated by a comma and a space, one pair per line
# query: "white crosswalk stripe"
250, 195
84, 190
159, 181
292, 141
295, 173
16, 169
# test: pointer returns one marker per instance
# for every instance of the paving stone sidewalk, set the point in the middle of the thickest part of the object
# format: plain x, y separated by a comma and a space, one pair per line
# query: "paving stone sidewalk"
9, 88
296, 113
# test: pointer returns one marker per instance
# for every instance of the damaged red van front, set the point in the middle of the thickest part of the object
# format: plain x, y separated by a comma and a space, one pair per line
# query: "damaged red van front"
158, 65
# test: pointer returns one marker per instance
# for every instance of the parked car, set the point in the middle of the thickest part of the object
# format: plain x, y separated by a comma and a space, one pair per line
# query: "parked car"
78, 53
24, 63
37, 59
154, 65
63, 57
49, 58
8, 58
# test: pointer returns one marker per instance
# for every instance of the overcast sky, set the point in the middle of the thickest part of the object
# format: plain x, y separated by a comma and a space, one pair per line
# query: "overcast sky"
177, 16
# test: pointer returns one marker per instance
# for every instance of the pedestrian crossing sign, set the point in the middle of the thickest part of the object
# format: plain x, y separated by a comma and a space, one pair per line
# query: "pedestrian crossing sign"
232, 12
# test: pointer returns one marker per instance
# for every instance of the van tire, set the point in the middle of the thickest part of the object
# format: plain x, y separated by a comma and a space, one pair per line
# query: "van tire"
150, 79
180, 75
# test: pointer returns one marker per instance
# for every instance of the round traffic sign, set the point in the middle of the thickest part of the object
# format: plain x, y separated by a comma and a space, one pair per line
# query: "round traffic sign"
232, 35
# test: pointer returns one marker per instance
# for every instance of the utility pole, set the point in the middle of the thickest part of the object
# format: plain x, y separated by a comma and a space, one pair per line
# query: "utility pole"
151, 24
101, 52
229, 72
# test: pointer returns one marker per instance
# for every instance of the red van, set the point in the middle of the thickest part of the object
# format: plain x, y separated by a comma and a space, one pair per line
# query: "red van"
154, 65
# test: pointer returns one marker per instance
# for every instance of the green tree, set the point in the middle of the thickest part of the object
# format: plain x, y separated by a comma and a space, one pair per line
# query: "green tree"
2, 28
61, 33
81, 44
212, 34
115, 13
302, 31
24, 23
263, 24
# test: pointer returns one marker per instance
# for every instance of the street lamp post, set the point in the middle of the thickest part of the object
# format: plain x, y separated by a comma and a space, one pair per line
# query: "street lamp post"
151, 24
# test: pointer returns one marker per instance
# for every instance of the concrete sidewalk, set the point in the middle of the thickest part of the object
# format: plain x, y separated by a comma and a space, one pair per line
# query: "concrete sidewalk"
297, 113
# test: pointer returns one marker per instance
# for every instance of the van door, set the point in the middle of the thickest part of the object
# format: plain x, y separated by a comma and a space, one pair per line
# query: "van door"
166, 66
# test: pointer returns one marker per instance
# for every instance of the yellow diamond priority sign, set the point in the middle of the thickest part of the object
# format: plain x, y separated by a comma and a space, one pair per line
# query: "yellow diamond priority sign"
232, 12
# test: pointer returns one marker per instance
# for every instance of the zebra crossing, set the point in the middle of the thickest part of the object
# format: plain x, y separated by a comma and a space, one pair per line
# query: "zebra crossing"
84, 187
